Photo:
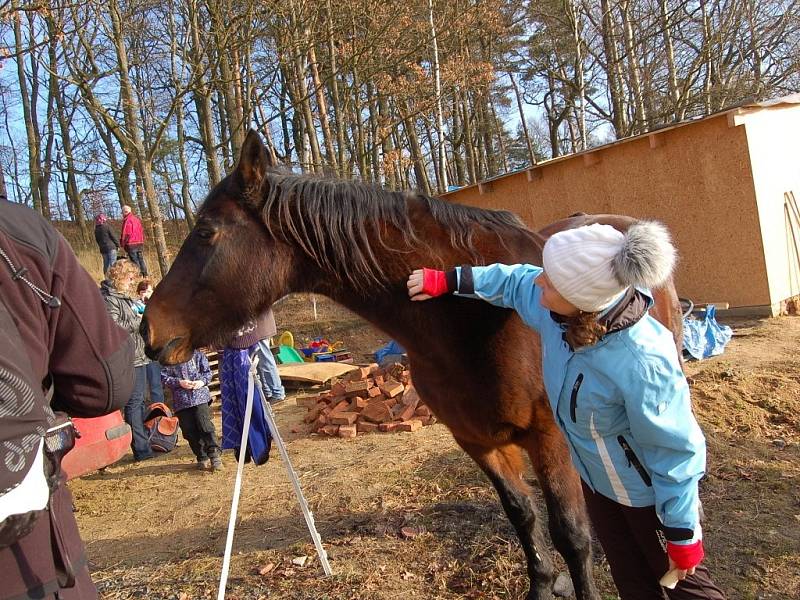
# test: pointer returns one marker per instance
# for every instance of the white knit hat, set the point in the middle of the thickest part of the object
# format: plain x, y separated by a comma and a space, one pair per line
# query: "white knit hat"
592, 266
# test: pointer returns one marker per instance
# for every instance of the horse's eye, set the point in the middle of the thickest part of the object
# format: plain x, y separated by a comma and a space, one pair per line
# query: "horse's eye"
205, 234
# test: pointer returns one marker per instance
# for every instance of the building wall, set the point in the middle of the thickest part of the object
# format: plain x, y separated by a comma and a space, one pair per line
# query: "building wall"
696, 178
774, 140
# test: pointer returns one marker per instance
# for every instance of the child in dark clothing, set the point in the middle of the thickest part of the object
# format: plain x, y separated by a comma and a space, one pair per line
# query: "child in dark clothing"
190, 400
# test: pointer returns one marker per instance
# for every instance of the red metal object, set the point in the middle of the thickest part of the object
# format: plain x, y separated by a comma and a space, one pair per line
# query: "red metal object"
104, 440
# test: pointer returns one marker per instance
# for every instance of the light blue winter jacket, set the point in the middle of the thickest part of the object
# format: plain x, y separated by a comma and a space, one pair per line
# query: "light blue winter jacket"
623, 403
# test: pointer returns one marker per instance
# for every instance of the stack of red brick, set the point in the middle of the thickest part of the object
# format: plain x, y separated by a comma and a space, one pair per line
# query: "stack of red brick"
368, 399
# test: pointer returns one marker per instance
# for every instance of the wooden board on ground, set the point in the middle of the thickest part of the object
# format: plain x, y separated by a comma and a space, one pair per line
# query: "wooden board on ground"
313, 373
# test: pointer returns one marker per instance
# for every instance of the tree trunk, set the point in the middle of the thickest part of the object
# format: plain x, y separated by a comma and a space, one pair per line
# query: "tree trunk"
434, 155
442, 155
283, 106
52, 86
143, 161
71, 184
457, 143
28, 113
669, 50
186, 197
3, 188
498, 127
418, 160
226, 54
121, 174
324, 119
387, 144
180, 134
472, 159
523, 120
335, 97
553, 119
303, 100
374, 146
486, 127
613, 71
201, 97
639, 119
755, 50
580, 78
708, 60
357, 127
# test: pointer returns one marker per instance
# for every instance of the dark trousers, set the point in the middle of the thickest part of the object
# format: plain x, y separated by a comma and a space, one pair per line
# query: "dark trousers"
634, 544
134, 416
109, 258
154, 381
136, 254
198, 429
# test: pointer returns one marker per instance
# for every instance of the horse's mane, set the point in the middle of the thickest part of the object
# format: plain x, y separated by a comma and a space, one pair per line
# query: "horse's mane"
330, 220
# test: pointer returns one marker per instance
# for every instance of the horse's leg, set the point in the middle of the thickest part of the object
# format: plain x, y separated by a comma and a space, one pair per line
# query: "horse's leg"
503, 466
566, 508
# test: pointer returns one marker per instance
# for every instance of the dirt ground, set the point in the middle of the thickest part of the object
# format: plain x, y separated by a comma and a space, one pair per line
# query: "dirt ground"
410, 516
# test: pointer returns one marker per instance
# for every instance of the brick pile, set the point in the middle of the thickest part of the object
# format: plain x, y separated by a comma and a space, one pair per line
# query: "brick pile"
366, 400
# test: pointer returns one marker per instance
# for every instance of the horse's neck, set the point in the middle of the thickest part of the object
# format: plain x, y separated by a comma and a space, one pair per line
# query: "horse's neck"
388, 306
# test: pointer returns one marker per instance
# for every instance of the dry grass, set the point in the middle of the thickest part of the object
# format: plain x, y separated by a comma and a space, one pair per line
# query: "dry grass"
156, 530
89, 256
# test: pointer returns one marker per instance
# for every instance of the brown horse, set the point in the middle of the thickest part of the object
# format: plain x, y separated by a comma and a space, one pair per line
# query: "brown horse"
261, 234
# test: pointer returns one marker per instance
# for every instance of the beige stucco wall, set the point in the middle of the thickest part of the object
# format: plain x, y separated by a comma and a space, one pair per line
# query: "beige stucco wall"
696, 178
773, 137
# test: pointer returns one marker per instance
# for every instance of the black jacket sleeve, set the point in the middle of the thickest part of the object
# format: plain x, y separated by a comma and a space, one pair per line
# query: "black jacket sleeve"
91, 361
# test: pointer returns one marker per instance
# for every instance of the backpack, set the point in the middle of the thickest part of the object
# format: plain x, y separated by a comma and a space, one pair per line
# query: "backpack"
162, 427
32, 437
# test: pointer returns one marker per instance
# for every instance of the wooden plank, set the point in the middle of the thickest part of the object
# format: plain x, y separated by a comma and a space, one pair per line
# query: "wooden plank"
316, 373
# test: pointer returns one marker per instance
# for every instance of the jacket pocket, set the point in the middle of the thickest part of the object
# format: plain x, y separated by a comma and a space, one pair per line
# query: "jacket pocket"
633, 461
573, 399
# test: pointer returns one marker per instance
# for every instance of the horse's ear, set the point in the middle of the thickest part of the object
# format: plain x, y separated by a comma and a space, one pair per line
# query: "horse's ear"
254, 160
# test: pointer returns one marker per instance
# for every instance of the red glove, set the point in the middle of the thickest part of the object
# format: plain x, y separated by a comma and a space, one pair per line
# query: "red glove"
434, 283
686, 556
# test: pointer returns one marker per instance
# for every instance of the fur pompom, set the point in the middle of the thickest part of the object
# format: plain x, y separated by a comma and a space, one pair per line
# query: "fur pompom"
647, 256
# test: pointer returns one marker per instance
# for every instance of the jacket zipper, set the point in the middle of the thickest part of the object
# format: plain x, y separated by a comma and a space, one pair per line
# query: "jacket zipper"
573, 400
633, 461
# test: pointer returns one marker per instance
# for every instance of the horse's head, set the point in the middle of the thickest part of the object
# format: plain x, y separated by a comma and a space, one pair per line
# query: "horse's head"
229, 269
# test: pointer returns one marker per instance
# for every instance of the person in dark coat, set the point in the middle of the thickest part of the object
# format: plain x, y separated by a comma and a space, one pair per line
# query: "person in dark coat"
106, 240
72, 344
191, 401
117, 292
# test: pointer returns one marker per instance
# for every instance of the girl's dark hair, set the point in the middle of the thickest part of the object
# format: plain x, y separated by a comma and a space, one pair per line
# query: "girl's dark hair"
584, 330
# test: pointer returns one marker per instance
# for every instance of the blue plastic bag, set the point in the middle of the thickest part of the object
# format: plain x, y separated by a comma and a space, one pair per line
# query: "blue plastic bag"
390, 349
704, 337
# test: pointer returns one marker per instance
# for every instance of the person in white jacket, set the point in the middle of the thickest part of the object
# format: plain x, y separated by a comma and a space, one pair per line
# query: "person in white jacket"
618, 392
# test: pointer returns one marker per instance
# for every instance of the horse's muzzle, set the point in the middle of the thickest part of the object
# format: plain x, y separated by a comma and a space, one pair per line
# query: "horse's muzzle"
169, 354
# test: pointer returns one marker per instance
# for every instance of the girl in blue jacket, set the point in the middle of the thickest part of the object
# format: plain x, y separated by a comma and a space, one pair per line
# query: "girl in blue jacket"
617, 390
